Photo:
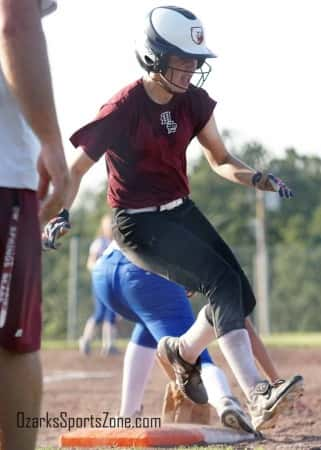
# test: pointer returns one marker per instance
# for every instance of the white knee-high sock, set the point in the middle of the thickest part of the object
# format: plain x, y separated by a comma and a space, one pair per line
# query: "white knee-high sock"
138, 362
216, 383
107, 340
89, 330
109, 335
196, 338
237, 350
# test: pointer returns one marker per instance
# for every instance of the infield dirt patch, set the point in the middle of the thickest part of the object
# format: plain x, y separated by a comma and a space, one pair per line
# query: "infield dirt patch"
83, 387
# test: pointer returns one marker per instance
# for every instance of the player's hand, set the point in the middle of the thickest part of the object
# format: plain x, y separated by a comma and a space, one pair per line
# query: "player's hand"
189, 294
52, 169
279, 186
269, 182
55, 228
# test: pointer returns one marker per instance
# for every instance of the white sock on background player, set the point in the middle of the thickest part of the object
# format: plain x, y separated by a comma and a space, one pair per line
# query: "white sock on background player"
109, 334
89, 330
216, 384
138, 363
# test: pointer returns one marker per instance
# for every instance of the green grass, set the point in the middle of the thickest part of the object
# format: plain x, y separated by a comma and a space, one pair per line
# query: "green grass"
298, 340
294, 340
60, 344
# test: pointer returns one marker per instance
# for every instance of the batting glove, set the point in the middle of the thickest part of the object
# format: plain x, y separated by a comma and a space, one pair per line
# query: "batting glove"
55, 228
269, 182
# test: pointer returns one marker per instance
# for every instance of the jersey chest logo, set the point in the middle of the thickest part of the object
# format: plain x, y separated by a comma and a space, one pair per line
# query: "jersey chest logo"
166, 120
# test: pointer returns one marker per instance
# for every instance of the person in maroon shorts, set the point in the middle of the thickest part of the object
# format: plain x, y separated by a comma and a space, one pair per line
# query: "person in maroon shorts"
144, 132
26, 110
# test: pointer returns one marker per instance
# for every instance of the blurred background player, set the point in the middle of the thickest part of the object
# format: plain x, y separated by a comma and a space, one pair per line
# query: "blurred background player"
103, 316
28, 123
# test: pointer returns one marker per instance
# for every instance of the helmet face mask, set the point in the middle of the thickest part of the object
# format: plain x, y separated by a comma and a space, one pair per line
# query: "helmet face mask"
198, 76
172, 31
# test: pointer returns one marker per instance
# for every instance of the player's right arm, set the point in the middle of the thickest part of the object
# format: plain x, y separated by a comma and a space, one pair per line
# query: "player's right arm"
77, 170
59, 225
24, 63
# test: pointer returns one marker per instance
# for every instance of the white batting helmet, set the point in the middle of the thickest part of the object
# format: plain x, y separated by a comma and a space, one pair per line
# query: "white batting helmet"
170, 30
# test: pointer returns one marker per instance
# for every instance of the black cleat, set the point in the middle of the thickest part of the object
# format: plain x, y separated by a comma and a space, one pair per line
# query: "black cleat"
233, 416
270, 400
188, 376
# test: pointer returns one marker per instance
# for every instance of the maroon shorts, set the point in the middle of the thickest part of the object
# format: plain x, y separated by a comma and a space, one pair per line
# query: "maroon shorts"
20, 271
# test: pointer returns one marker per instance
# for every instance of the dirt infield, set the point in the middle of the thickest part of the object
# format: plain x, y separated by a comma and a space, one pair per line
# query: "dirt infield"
77, 387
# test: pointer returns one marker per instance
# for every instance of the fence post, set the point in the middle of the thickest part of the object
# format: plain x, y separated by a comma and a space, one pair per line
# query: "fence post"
73, 288
261, 267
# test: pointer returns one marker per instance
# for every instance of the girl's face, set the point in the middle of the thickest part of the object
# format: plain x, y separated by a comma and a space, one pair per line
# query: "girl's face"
179, 73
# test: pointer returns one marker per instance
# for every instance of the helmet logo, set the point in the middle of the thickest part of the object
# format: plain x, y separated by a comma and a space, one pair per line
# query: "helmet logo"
197, 35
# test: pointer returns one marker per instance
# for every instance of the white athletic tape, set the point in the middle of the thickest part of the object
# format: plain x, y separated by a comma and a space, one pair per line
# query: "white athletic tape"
224, 436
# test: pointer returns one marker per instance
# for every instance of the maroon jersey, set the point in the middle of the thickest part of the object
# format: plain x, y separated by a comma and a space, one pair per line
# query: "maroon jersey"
145, 144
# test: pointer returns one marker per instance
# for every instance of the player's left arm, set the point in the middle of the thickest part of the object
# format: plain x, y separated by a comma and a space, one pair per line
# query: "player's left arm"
228, 166
219, 159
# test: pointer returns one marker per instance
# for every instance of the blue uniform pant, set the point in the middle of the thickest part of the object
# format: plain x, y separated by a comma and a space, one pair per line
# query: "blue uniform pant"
157, 306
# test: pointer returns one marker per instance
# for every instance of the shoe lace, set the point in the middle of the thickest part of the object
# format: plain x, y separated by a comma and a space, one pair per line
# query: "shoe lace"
272, 386
187, 372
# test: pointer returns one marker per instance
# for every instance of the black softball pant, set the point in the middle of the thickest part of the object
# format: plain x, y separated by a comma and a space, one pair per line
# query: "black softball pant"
184, 247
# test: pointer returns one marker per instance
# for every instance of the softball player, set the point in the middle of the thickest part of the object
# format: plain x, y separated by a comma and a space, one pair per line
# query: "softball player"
27, 116
102, 314
144, 131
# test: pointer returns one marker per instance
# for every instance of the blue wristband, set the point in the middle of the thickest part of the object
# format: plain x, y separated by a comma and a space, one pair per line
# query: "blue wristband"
256, 178
64, 213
